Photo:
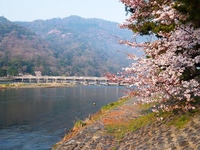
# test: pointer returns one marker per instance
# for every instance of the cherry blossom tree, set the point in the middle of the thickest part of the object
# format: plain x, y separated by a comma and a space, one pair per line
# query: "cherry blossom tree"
170, 67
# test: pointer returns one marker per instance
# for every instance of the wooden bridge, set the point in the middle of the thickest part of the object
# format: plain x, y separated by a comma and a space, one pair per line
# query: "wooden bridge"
61, 79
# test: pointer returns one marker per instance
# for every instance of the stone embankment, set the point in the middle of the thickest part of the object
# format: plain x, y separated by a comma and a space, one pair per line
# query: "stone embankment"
155, 136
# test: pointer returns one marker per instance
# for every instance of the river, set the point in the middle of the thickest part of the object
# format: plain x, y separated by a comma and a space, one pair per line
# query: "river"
36, 118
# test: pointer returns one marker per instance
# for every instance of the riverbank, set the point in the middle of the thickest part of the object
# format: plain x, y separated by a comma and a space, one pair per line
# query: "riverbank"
33, 85
130, 126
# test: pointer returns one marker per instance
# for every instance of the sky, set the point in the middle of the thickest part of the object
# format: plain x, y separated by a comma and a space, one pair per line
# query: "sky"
29, 10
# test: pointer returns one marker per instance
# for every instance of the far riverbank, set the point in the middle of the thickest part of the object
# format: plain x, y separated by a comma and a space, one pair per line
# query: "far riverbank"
33, 85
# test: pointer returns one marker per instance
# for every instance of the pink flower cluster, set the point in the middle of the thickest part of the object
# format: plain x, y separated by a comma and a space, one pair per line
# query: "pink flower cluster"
159, 74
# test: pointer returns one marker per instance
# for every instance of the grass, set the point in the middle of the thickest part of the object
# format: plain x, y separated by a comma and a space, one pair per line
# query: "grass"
181, 118
10, 85
114, 104
170, 119
180, 121
120, 129
104, 109
79, 124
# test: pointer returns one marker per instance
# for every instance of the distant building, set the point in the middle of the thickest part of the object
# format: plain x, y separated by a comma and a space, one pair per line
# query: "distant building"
20, 74
38, 73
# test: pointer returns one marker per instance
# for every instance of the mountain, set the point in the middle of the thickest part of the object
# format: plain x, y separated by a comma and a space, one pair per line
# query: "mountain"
68, 46
22, 51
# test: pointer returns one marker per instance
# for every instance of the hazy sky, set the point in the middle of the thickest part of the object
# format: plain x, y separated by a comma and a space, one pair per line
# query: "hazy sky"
29, 10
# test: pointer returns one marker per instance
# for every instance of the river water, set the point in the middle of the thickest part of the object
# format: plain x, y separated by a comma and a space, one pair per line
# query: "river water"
37, 118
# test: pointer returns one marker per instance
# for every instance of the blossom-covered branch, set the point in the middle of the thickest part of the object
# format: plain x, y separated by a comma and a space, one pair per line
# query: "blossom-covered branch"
170, 67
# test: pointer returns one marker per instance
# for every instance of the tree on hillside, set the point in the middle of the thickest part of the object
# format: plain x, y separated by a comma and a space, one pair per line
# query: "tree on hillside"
170, 67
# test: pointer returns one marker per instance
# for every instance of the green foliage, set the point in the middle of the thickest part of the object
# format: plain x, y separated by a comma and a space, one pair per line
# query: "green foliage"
15, 66
142, 121
114, 104
180, 121
12, 70
148, 27
79, 124
120, 129
108, 106
191, 9
145, 26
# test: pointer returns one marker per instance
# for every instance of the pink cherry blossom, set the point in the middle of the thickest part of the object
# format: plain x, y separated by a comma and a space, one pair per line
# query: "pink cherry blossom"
160, 76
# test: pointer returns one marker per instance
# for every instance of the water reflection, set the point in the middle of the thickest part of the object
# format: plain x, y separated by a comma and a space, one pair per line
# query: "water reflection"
37, 118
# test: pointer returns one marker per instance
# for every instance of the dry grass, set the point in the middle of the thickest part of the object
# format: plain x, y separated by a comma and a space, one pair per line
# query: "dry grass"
33, 85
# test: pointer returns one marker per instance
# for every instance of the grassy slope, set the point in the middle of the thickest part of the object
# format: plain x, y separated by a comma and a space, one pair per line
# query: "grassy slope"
177, 119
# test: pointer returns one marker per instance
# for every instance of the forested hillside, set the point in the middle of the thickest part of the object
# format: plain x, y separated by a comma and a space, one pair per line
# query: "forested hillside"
69, 46
22, 51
